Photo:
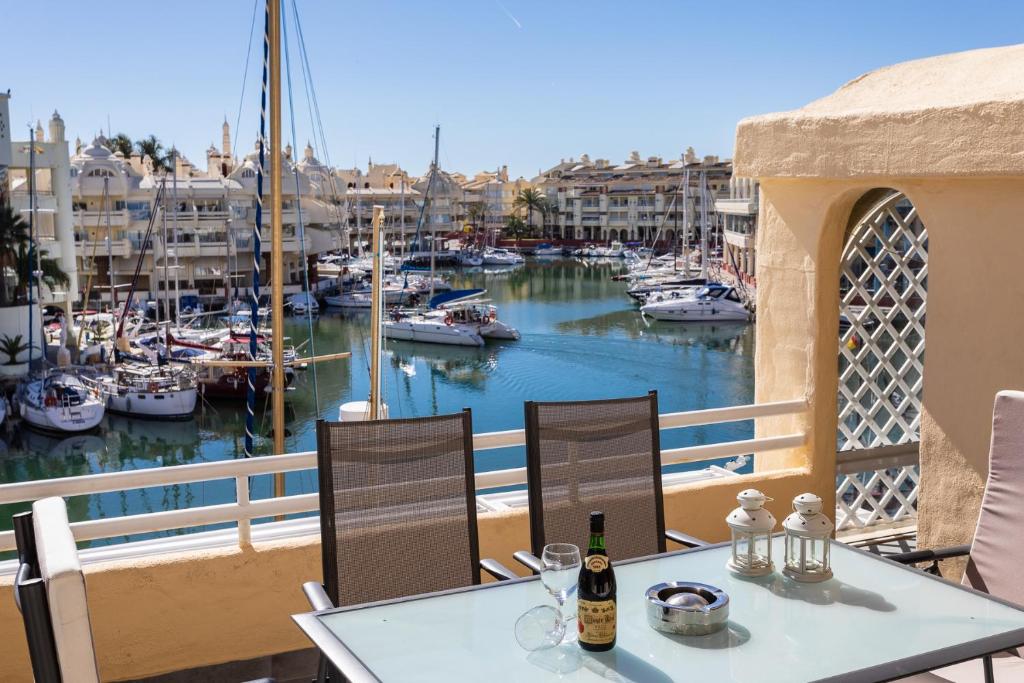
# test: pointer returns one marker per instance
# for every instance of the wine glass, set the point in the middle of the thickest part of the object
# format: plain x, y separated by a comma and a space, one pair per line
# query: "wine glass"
560, 573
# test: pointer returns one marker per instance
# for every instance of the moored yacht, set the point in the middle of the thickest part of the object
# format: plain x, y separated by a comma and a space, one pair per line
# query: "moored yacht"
712, 303
144, 390
59, 402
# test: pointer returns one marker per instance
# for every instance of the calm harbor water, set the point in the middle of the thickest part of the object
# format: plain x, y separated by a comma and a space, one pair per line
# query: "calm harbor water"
582, 338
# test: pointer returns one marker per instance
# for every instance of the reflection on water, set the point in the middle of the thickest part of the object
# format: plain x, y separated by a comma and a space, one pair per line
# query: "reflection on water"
582, 338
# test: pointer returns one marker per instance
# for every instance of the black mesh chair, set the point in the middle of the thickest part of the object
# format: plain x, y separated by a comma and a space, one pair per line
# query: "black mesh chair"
397, 509
596, 455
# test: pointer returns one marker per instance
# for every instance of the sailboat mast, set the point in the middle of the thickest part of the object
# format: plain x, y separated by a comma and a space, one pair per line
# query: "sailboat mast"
110, 249
277, 240
433, 225
686, 222
376, 311
177, 274
703, 226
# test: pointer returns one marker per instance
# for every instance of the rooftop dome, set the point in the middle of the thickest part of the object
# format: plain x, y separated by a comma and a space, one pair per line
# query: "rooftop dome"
97, 149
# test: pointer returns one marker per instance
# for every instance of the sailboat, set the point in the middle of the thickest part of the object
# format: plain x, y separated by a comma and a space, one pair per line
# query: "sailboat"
60, 402
54, 400
141, 389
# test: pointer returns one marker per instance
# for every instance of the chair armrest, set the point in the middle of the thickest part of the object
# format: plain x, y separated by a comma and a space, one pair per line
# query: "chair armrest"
317, 596
497, 570
917, 556
684, 539
528, 560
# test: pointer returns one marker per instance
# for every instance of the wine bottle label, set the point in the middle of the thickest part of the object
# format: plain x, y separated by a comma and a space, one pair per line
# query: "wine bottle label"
596, 621
597, 563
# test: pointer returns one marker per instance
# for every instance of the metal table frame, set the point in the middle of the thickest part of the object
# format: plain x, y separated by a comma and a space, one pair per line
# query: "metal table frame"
355, 670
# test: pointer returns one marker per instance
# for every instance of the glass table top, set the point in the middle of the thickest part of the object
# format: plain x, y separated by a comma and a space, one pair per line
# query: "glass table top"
871, 613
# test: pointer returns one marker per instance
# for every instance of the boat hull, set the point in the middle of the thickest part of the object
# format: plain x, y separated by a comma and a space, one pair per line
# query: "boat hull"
166, 405
694, 312
431, 333
64, 419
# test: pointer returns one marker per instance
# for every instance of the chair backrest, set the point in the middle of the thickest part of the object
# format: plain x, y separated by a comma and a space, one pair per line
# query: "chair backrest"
596, 455
30, 597
997, 553
397, 507
67, 609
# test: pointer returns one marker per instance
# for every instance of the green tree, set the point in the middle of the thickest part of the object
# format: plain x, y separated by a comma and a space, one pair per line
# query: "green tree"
531, 200
476, 214
13, 233
50, 272
515, 228
154, 149
121, 143
17, 260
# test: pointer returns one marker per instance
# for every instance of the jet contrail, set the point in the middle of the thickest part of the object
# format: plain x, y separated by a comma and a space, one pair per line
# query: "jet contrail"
509, 14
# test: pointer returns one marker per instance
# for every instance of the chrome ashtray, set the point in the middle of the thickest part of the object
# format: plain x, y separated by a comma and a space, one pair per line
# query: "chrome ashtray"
689, 609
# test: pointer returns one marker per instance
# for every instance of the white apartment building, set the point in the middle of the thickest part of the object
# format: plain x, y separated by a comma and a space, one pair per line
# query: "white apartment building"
600, 201
203, 237
739, 213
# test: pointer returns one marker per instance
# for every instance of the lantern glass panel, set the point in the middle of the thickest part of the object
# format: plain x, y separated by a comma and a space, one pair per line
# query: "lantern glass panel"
792, 559
762, 550
740, 548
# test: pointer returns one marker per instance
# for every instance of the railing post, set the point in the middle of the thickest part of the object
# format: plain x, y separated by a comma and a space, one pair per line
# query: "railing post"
244, 523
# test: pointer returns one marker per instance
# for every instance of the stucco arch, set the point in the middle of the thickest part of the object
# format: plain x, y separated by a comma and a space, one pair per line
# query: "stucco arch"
942, 132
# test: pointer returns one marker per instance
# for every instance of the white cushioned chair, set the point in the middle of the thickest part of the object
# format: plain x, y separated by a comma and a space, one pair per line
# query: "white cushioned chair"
996, 554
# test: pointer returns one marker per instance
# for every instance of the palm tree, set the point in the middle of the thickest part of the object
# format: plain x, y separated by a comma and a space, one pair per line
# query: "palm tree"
548, 207
121, 143
515, 228
152, 147
17, 260
50, 272
532, 200
13, 233
476, 213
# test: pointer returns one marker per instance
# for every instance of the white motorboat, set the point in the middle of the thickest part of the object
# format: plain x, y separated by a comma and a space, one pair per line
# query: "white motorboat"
500, 257
616, 250
712, 303
60, 402
303, 303
475, 315
420, 327
547, 250
349, 300
394, 294
143, 390
471, 258
669, 293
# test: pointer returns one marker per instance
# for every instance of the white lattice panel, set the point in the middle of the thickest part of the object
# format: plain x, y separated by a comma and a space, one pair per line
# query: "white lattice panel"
883, 293
883, 289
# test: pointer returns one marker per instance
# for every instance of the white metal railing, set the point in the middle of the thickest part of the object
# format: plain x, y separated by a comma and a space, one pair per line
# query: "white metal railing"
243, 510
876, 489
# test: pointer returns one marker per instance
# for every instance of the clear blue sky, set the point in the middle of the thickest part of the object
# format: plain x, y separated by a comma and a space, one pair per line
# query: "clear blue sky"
517, 82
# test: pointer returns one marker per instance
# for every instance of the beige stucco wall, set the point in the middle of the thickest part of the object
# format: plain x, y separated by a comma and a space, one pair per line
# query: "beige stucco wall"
178, 611
946, 132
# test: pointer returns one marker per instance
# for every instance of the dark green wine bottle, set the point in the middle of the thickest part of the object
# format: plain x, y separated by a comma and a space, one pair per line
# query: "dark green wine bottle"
595, 605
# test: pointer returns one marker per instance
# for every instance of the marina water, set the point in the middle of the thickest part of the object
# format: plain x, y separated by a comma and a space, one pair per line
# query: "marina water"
582, 338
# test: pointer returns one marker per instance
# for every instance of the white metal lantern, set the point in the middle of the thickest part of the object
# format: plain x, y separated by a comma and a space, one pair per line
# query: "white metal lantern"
807, 540
751, 526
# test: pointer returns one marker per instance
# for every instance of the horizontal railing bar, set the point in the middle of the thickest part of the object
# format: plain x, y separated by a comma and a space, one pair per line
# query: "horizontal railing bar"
105, 482
880, 457
731, 449
489, 440
696, 418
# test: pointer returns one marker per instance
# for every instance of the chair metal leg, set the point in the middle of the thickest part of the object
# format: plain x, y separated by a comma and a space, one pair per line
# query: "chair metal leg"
986, 663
